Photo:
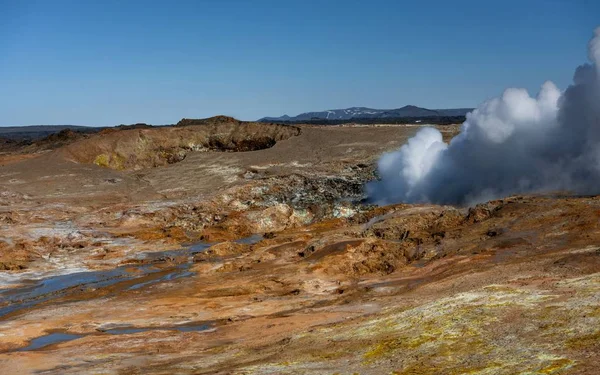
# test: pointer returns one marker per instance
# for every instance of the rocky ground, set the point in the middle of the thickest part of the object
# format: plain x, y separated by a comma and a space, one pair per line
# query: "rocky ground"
229, 261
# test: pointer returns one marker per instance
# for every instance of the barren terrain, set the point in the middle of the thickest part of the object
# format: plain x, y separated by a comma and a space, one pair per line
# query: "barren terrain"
223, 247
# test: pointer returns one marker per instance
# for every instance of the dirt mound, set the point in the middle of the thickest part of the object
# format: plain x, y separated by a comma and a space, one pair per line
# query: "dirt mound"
134, 149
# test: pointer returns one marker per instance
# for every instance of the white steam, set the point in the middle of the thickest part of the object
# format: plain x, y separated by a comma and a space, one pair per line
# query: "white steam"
512, 144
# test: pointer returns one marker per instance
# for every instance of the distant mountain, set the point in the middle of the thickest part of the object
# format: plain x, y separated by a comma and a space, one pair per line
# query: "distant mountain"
32, 132
370, 113
41, 128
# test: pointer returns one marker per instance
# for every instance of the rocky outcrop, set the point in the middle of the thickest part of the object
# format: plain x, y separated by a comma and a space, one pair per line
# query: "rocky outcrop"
134, 149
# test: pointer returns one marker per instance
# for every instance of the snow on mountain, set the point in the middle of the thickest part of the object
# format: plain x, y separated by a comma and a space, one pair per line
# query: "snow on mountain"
364, 112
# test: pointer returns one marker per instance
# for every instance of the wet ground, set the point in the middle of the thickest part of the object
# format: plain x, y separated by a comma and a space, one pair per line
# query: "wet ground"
156, 267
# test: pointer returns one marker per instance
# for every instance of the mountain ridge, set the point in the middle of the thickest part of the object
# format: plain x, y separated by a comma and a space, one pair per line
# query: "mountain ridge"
369, 113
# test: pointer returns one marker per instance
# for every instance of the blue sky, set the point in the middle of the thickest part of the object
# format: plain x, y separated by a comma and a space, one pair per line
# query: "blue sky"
110, 62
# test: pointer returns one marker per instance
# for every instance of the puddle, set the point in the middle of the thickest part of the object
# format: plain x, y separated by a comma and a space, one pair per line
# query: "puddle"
56, 287
199, 247
60, 337
179, 272
64, 285
49, 339
162, 266
251, 240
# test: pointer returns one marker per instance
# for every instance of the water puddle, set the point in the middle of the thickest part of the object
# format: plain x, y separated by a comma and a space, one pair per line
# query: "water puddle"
251, 240
64, 285
179, 272
152, 272
151, 268
47, 340
60, 337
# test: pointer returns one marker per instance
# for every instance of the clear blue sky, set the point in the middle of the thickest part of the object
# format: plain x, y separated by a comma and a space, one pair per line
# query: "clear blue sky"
110, 62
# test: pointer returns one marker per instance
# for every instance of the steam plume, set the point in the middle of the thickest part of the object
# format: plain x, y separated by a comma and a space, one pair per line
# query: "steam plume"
511, 144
